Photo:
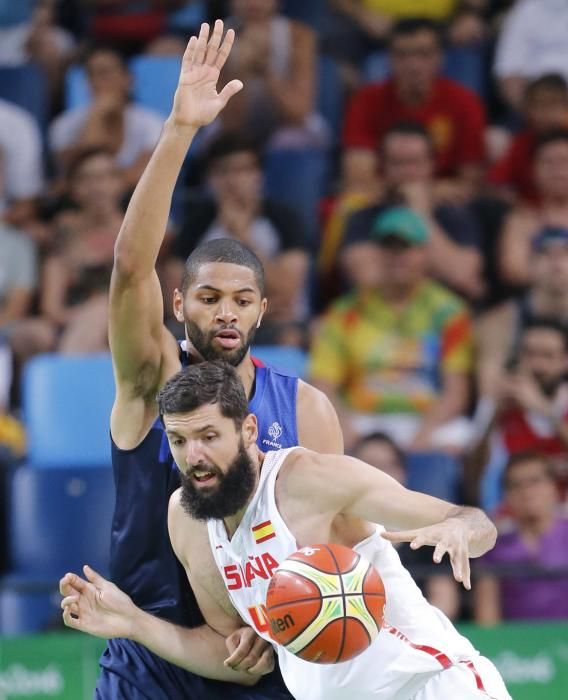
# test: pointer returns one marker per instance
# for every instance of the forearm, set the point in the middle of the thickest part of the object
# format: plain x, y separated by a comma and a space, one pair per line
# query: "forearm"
199, 650
482, 532
145, 222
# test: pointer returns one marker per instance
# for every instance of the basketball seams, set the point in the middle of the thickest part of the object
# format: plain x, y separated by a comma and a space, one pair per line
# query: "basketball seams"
339, 573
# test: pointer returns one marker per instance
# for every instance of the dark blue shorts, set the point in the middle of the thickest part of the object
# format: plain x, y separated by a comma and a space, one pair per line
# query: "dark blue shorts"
130, 672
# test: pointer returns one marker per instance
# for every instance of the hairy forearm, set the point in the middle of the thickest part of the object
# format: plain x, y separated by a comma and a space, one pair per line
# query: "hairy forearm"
482, 532
199, 650
145, 222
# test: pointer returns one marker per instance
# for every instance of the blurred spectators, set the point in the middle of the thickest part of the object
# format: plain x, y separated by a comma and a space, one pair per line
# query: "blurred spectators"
76, 274
236, 209
275, 57
532, 42
545, 108
499, 331
435, 580
110, 122
525, 577
416, 92
406, 160
395, 356
21, 166
525, 222
528, 408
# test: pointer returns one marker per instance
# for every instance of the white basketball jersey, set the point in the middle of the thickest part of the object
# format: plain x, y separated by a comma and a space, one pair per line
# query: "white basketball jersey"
416, 641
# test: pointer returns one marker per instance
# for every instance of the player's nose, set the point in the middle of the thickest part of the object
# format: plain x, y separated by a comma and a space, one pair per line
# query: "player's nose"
193, 453
226, 313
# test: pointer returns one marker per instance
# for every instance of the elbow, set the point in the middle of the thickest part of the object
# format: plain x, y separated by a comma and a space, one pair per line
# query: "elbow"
125, 264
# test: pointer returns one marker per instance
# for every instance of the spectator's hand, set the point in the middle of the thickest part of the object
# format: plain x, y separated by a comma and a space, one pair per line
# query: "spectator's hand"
524, 390
197, 102
418, 196
96, 606
451, 536
249, 652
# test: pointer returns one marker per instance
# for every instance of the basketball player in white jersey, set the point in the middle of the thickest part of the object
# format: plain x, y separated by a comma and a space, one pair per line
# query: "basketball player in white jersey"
299, 498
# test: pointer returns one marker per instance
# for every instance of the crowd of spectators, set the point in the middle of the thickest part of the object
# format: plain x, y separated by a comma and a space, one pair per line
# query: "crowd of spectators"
433, 298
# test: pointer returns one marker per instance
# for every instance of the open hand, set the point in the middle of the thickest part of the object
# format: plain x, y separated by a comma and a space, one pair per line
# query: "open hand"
96, 606
449, 536
249, 652
197, 102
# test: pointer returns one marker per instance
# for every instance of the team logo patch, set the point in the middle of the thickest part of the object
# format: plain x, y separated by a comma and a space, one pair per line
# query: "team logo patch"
275, 430
264, 531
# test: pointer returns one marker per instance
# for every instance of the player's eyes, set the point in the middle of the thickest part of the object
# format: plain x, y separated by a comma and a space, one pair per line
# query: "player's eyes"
244, 302
178, 442
210, 437
208, 300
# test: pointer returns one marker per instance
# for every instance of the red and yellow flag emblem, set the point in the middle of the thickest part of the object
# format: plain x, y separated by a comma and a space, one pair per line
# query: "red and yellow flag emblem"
263, 532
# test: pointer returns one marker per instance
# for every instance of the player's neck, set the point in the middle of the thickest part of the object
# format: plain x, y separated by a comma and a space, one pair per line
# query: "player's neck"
246, 372
233, 521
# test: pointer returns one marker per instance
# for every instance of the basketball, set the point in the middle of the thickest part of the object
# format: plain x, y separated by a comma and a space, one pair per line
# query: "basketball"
325, 604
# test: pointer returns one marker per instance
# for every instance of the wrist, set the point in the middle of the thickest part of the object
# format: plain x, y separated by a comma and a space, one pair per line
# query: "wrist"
138, 625
180, 132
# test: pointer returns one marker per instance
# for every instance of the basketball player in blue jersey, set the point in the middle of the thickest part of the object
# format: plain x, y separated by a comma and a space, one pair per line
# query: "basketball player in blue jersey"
221, 304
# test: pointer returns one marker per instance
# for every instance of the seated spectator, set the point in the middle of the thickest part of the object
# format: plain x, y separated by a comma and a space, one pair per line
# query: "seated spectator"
111, 122
435, 580
406, 161
545, 108
532, 42
416, 92
528, 409
525, 222
21, 166
76, 273
395, 356
525, 576
275, 57
236, 209
499, 331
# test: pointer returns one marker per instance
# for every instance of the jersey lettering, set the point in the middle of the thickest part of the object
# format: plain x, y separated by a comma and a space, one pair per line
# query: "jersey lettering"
259, 618
238, 577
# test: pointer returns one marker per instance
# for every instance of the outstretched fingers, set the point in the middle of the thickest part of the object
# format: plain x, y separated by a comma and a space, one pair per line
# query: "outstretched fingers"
201, 45
189, 52
214, 43
225, 49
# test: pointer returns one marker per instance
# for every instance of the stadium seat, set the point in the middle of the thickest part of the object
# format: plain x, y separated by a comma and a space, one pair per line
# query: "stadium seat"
66, 403
330, 94
434, 473
26, 608
59, 519
26, 87
155, 81
286, 358
297, 178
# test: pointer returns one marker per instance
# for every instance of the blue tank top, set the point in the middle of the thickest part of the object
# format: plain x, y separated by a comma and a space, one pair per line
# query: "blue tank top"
142, 561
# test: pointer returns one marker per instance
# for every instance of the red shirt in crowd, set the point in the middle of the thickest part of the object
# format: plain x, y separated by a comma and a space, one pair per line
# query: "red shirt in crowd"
520, 436
453, 115
515, 167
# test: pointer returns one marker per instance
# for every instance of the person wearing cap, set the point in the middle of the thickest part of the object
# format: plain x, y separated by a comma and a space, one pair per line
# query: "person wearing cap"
499, 331
395, 355
522, 225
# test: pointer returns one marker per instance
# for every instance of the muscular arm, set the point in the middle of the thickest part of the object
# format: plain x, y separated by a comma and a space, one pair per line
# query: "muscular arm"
143, 350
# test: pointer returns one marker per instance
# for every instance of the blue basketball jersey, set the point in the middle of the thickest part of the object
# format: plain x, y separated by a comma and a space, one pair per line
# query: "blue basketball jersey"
143, 563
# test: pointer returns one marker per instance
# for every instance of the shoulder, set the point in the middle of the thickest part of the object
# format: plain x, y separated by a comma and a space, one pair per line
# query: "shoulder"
446, 87
372, 93
442, 300
181, 526
15, 116
312, 402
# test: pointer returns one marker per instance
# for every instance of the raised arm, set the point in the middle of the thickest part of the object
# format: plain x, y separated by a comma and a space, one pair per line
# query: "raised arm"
143, 351
345, 485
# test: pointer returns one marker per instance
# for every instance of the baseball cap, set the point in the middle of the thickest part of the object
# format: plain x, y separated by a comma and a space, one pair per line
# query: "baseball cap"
400, 222
548, 235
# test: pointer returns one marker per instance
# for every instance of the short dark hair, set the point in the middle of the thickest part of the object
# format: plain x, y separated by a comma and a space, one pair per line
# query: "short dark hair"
548, 324
95, 48
205, 383
552, 136
413, 25
224, 250
379, 436
549, 81
227, 144
527, 456
84, 155
408, 129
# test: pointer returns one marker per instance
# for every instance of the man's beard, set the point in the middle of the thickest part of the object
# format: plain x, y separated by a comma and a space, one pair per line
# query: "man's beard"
549, 386
233, 489
203, 343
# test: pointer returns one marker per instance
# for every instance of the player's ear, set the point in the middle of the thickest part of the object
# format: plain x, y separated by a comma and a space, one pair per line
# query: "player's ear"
263, 306
250, 430
178, 305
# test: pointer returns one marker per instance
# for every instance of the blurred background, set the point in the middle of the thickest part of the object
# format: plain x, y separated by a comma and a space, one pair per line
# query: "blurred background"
401, 168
